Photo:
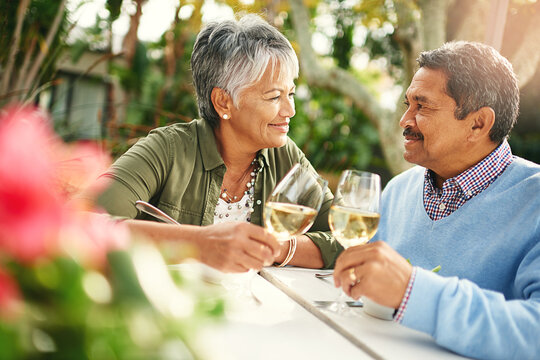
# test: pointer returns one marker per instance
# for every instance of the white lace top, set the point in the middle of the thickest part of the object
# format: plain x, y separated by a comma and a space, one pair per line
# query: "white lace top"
227, 212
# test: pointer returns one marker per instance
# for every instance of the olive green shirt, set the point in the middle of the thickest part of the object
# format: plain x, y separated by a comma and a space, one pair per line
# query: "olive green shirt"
178, 169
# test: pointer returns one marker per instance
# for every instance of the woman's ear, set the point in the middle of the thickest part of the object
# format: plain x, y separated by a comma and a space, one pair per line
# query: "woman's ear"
222, 102
482, 121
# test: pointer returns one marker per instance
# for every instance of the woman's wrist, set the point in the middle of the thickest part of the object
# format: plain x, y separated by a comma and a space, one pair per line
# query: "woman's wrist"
283, 251
290, 253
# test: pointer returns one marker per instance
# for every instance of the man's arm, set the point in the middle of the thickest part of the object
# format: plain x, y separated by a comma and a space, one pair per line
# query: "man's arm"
473, 321
459, 314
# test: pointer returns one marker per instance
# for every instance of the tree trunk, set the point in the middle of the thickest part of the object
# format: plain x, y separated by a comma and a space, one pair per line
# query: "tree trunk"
434, 15
32, 79
129, 44
14, 48
527, 57
171, 53
473, 25
346, 84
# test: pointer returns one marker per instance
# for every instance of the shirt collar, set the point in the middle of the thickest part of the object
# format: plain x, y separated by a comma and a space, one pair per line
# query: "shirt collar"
208, 146
475, 179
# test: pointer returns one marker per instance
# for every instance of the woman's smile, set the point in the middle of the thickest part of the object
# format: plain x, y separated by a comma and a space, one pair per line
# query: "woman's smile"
282, 127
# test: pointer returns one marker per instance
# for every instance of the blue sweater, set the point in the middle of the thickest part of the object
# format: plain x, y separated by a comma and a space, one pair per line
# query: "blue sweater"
485, 301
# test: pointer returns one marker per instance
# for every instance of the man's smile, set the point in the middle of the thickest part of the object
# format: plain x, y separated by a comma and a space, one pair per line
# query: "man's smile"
411, 136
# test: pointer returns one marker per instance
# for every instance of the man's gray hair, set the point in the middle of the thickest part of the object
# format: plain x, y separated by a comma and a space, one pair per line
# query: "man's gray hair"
233, 55
478, 76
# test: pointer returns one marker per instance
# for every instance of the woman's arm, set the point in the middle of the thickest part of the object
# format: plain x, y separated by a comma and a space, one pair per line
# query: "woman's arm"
307, 253
229, 247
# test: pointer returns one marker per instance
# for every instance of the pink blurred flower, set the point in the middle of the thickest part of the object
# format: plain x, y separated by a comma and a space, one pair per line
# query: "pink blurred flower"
78, 166
38, 175
90, 236
31, 209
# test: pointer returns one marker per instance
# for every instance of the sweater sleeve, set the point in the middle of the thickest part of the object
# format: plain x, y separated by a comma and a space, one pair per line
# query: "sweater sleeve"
476, 322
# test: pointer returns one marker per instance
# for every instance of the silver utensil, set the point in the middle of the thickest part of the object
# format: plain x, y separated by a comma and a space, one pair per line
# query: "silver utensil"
327, 303
322, 276
155, 212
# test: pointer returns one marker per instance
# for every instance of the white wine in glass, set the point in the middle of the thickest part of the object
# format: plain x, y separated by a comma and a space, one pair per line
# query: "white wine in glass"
293, 205
354, 215
286, 220
352, 227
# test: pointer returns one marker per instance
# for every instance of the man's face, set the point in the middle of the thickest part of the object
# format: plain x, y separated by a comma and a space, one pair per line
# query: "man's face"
434, 138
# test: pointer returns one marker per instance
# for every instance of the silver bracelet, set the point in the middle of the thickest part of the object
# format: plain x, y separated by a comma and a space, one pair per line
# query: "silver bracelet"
290, 254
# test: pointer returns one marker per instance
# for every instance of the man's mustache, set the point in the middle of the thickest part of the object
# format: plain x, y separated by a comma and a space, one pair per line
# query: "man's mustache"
409, 133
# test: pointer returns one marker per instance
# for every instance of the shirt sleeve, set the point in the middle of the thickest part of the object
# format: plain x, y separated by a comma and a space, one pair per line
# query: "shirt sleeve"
403, 306
328, 246
476, 322
136, 175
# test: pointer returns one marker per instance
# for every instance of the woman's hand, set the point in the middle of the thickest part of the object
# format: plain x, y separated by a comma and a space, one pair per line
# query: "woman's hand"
374, 270
237, 247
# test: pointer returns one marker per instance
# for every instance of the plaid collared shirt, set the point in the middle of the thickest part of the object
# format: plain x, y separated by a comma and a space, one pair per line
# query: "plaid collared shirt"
455, 191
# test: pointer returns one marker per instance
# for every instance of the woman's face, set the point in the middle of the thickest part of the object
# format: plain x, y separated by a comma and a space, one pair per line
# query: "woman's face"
264, 112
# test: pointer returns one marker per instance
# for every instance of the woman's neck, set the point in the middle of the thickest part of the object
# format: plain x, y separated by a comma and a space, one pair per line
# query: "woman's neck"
236, 158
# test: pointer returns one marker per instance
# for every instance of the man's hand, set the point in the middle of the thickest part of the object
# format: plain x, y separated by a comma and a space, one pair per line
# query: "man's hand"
237, 247
374, 270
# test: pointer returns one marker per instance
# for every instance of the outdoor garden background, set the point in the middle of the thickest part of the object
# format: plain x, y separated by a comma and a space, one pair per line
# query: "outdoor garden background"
105, 72
117, 77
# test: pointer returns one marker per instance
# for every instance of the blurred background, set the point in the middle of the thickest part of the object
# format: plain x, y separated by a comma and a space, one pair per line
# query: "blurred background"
108, 71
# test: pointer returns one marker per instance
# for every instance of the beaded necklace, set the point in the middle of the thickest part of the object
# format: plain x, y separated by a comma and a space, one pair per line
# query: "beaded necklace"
232, 201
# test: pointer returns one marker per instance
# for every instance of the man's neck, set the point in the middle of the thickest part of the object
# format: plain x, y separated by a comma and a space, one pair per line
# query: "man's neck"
474, 157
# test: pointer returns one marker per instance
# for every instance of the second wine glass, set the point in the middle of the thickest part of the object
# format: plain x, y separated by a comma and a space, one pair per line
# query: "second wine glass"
294, 203
354, 215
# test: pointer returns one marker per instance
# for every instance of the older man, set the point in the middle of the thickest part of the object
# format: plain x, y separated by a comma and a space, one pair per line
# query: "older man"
470, 206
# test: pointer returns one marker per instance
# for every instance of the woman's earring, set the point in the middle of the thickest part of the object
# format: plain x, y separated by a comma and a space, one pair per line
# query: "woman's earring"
225, 116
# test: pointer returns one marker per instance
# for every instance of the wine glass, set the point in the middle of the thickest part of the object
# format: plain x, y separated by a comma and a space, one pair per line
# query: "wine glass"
354, 214
294, 203
292, 207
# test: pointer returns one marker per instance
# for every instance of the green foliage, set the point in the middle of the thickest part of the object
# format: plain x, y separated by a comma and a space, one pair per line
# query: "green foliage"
61, 320
36, 25
132, 78
333, 133
343, 42
526, 145
37, 21
114, 7
383, 45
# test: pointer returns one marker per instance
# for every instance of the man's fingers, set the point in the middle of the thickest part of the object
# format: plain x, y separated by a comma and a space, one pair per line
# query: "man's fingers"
355, 285
357, 256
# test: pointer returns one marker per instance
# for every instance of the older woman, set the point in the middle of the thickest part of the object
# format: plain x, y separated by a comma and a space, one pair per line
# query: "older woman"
218, 171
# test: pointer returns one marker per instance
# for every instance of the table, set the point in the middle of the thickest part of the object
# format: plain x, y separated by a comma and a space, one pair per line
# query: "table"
379, 339
284, 323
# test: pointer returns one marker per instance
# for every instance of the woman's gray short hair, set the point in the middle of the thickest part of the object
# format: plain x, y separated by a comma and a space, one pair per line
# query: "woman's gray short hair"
233, 55
478, 76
